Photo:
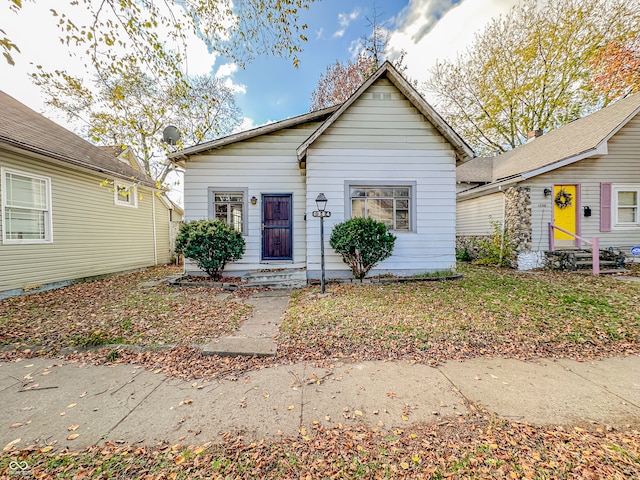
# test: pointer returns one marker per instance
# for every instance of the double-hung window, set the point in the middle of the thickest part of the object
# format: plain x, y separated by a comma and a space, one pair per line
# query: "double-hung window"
391, 205
626, 203
26, 208
229, 206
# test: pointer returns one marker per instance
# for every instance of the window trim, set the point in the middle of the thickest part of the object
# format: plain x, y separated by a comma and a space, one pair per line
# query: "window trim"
48, 212
615, 189
211, 191
411, 185
133, 193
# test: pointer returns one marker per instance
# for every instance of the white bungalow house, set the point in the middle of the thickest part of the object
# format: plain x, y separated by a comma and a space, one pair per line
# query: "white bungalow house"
384, 153
583, 177
70, 210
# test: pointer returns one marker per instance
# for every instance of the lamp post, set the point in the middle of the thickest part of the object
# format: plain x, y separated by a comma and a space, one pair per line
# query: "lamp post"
321, 203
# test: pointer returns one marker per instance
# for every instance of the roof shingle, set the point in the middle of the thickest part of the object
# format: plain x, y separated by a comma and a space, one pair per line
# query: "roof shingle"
25, 129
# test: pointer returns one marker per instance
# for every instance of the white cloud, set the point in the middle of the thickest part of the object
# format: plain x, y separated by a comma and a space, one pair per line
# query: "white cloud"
246, 124
319, 33
237, 88
429, 30
226, 70
345, 19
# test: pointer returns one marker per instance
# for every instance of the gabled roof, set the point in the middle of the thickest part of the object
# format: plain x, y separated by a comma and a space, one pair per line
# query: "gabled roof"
317, 116
387, 70
478, 170
331, 114
25, 130
575, 141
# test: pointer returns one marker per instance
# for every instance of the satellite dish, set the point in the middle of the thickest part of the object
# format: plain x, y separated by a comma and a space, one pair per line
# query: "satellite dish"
171, 135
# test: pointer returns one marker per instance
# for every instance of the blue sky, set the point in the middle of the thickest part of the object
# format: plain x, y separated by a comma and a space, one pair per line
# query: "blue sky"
277, 90
270, 88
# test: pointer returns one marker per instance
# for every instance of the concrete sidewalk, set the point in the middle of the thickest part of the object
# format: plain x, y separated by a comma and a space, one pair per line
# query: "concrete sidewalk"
129, 404
47, 402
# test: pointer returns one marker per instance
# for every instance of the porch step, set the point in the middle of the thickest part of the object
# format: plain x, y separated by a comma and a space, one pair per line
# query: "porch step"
611, 262
580, 264
609, 271
280, 278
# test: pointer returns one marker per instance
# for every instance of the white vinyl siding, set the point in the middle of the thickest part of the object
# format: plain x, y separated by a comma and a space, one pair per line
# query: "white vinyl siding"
382, 139
26, 207
475, 217
263, 165
92, 236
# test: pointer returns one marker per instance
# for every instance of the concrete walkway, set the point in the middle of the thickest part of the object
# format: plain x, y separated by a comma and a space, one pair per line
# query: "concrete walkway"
257, 335
45, 401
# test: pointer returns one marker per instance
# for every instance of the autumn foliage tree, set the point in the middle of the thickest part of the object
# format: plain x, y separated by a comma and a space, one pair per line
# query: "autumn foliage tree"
136, 81
131, 110
530, 69
617, 68
342, 79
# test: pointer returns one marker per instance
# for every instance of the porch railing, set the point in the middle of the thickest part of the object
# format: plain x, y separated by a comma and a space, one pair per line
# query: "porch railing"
594, 242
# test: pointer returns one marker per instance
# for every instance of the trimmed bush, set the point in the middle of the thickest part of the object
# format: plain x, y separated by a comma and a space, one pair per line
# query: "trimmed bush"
211, 244
363, 243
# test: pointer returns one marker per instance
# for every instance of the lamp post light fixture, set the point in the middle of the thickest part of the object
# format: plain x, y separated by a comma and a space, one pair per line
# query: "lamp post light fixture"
321, 203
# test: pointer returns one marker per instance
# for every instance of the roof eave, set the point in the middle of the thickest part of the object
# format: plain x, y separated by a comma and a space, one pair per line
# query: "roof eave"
488, 188
463, 151
46, 155
601, 149
248, 134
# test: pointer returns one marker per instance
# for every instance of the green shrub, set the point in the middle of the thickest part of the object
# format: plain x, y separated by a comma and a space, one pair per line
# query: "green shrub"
463, 254
498, 249
363, 243
211, 244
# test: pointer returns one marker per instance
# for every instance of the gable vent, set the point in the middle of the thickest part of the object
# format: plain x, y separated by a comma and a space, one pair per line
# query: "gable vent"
381, 96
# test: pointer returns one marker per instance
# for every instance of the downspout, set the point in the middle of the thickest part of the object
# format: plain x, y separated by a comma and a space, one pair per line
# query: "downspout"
155, 242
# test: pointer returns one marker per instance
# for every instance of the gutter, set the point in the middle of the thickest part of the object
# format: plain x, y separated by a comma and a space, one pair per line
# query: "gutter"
489, 188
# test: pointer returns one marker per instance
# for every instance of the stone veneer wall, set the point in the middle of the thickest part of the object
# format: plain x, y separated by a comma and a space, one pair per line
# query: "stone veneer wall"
518, 224
517, 217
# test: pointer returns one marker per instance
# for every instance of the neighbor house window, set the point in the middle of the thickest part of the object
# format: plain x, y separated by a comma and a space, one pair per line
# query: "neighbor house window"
390, 205
126, 195
26, 208
626, 202
229, 207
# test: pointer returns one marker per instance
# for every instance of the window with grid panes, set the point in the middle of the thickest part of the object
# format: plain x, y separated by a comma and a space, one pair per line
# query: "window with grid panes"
389, 205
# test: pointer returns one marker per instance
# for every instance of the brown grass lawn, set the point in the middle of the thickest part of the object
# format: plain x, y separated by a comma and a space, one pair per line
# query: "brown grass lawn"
488, 312
118, 309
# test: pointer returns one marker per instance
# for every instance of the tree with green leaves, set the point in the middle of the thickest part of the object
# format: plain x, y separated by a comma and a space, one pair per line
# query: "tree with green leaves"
132, 109
530, 69
137, 51
155, 34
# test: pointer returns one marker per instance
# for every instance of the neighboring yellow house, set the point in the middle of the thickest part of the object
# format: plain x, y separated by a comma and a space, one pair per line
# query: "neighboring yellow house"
70, 210
583, 177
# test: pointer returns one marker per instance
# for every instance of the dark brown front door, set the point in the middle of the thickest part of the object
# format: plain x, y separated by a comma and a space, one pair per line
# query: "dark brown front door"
276, 227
